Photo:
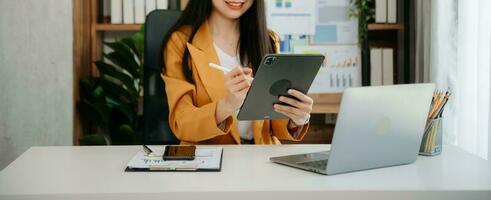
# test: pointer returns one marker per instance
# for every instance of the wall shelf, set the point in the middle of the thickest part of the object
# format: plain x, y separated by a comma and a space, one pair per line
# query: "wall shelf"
374, 26
326, 103
117, 27
397, 36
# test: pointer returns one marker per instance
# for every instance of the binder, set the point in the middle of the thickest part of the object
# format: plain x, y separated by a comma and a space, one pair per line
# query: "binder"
116, 11
391, 11
106, 10
184, 3
375, 66
388, 66
139, 11
150, 5
206, 159
128, 12
380, 11
162, 4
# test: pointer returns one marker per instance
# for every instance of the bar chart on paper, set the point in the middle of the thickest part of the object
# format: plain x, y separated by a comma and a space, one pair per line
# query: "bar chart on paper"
341, 68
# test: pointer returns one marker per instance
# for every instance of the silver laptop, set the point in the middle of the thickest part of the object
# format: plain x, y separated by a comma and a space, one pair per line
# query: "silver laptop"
376, 127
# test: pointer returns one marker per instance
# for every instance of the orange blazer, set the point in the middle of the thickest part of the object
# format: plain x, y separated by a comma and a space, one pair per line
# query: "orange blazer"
192, 106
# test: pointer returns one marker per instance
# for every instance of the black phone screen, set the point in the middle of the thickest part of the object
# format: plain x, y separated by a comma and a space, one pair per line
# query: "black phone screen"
173, 152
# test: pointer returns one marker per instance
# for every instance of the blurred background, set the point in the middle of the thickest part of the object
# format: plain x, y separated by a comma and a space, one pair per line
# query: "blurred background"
71, 70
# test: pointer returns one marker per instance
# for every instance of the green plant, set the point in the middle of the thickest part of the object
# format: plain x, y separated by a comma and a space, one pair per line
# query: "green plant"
364, 11
109, 103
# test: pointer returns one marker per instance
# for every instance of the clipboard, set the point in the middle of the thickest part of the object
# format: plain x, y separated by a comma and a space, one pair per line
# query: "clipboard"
207, 159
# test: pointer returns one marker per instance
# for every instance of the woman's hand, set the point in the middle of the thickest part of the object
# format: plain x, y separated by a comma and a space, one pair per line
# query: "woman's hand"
297, 110
237, 82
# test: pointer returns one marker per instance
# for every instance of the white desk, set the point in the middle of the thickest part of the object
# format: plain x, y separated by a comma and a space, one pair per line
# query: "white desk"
247, 173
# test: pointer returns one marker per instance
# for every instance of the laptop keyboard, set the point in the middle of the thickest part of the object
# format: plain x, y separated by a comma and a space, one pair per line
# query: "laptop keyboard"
319, 164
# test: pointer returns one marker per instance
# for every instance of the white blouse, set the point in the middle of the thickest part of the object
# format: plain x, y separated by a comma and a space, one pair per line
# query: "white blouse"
230, 62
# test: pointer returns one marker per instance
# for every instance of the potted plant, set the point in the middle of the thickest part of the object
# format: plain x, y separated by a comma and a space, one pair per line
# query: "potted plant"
364, 10
110, 103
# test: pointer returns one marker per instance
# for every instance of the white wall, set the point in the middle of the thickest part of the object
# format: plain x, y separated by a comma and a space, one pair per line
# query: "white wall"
36, 80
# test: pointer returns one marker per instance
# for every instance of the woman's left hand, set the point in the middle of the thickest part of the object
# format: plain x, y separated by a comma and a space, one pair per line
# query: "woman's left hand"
298, 110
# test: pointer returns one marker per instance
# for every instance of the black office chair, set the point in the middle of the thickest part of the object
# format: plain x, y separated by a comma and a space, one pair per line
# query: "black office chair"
156, 128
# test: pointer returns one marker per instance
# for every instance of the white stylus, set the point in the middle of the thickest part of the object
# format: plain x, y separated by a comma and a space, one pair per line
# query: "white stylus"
223, 69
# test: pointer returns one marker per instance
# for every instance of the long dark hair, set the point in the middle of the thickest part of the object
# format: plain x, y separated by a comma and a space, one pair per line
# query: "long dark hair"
254, 41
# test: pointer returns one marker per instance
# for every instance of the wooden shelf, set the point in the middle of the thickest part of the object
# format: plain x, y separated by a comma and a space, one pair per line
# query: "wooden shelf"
399, 26
117, 27
326, 103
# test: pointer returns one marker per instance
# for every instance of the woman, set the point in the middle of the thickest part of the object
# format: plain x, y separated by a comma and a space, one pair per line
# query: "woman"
203, 101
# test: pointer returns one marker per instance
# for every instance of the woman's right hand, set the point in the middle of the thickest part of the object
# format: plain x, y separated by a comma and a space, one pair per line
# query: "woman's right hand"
238, 81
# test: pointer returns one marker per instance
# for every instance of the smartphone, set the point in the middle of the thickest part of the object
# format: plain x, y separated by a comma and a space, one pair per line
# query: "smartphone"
178, 152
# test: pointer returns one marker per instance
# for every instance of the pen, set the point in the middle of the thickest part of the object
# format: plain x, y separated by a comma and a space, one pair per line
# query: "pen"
148, 151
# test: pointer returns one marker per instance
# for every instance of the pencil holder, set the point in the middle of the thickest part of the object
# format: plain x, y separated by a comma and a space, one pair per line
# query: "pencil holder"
431, 145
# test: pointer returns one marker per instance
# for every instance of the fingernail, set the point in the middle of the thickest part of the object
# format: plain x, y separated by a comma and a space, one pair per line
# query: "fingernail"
290, 91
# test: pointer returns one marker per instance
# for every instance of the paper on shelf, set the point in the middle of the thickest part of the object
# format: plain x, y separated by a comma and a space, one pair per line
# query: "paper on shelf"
334, 26
295, 17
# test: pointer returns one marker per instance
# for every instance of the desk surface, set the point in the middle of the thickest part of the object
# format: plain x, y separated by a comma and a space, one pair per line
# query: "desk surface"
87, 172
